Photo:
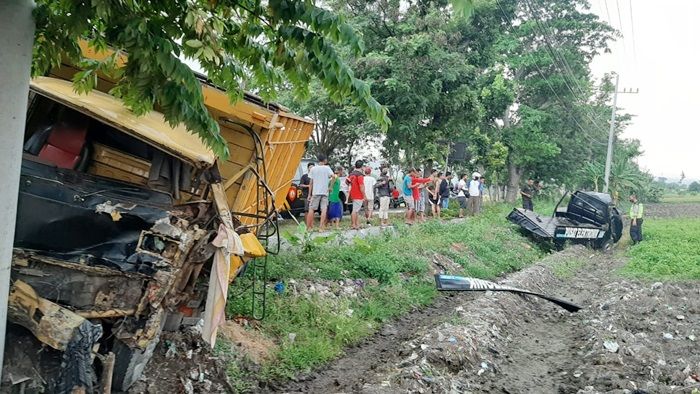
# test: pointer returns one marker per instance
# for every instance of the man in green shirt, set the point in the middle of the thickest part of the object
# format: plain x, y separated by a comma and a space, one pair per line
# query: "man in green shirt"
637, 218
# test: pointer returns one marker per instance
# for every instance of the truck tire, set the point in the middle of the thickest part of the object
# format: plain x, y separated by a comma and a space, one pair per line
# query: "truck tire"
77, 372
129, 363
616, 225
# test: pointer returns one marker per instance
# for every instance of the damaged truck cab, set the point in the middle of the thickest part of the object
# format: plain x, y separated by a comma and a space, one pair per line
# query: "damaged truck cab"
127, 226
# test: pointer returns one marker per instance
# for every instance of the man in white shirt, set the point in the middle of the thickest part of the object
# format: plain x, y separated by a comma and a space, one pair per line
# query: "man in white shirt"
461, 196
370, 182
320, 177
474, 194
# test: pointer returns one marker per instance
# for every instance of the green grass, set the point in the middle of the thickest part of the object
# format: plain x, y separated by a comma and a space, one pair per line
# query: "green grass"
670, 250
396, 272
687, 198
568, 268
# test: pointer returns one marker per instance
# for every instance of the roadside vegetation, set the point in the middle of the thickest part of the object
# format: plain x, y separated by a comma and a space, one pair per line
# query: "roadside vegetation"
337, 294
669, 250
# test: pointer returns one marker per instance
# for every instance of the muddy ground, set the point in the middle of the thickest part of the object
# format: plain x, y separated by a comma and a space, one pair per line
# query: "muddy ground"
631, 336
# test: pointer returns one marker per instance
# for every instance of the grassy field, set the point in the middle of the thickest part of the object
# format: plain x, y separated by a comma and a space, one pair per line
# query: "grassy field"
670, 250
395, 272
681, 199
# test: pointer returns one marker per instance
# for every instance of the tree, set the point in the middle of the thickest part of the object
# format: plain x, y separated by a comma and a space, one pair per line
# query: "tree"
340, 127
547, 50
238, 44
694, 187
418, 66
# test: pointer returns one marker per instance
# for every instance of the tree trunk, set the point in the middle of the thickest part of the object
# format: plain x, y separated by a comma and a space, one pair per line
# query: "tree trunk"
349, 157
514, 174
427, 167
16, 42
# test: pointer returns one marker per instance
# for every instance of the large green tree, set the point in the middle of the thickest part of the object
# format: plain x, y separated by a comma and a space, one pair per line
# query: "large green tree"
418, 64
547, 48
240, 44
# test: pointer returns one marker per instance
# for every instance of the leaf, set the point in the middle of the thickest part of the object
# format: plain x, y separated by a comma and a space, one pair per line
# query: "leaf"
463, 8
193, 43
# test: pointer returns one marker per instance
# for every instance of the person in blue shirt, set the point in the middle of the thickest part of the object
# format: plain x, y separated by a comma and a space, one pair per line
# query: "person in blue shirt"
407, 189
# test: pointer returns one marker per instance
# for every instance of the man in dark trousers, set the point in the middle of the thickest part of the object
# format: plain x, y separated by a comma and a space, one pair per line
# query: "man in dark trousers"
304, 186
527, 192
636, 218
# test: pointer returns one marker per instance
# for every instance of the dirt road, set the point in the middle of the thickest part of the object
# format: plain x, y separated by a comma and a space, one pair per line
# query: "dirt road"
631, 337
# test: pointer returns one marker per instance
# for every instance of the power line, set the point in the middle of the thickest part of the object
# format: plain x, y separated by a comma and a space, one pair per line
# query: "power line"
619, 18
561, 62
539, 70
607, 12
634, 46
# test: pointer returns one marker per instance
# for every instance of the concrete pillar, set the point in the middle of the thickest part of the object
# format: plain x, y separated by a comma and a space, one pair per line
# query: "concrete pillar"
16, 40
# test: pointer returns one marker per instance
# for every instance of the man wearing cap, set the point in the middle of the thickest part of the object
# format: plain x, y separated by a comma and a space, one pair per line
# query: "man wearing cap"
474, 194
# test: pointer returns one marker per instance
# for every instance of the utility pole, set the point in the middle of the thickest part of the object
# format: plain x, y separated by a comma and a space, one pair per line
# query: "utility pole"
16, 40
611, 136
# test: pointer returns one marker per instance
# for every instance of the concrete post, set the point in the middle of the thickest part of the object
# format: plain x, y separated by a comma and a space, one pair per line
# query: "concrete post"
16, 40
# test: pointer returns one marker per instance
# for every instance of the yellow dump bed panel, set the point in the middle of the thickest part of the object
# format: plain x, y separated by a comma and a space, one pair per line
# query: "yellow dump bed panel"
279, 135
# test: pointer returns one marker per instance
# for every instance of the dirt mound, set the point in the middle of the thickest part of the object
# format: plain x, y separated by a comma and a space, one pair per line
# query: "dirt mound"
250, 342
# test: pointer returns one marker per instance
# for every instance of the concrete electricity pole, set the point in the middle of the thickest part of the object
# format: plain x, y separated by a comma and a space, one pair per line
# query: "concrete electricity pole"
611, 136
16, 40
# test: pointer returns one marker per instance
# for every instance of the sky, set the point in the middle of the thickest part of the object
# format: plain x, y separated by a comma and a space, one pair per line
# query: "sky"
658, 54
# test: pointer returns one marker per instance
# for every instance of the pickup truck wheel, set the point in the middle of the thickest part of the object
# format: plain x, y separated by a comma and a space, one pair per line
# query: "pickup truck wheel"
559, 245
605, 244
616, 226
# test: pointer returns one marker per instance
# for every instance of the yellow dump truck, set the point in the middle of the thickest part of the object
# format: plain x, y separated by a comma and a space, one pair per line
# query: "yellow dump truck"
127, 226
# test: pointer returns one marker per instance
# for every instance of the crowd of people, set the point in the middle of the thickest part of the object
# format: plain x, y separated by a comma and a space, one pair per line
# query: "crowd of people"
323, 187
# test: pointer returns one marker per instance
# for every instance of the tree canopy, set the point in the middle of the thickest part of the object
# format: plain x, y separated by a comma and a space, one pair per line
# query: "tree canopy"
240, 44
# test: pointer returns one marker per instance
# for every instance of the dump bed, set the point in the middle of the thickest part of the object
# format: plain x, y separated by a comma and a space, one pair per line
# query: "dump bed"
266, 143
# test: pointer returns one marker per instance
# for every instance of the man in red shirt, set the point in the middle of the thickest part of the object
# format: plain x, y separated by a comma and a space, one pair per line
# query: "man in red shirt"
417, 186
356, 180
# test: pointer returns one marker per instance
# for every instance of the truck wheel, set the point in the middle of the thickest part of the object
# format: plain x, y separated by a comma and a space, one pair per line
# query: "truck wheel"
605, 244
616, 226
559, 245
76, 367
129, 363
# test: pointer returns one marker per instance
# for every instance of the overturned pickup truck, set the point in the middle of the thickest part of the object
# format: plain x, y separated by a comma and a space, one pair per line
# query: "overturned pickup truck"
589, 218
127, 227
